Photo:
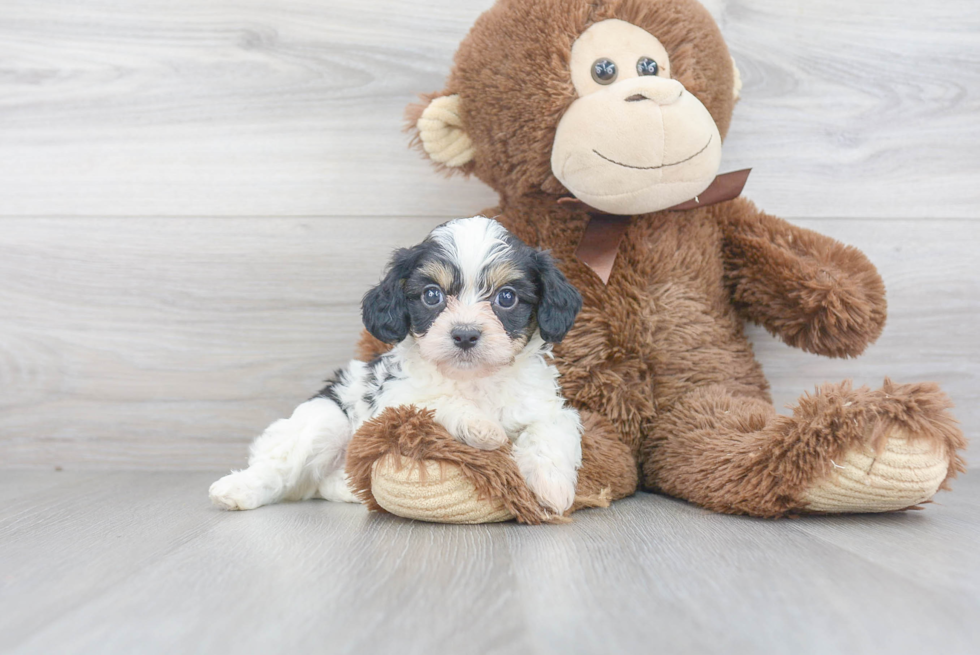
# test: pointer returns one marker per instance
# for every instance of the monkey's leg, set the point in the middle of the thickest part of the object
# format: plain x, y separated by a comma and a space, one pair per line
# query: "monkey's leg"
407, 464
842, 450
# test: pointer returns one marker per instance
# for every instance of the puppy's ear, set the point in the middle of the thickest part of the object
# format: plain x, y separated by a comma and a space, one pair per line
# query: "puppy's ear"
560, 301
385, 307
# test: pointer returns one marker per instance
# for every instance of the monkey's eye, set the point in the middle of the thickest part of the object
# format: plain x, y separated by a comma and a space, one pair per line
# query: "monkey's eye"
432, 296
506, 298
647, 66
604, 71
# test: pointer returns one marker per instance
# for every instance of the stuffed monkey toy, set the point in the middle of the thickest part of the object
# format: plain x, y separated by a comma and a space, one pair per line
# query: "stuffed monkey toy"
600, 124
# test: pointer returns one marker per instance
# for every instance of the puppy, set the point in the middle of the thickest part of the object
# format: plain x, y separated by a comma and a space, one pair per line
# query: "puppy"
472, 311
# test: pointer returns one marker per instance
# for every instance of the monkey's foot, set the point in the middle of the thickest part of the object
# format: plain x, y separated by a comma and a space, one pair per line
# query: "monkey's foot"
405, 463
910, 455
428, 491
904, 473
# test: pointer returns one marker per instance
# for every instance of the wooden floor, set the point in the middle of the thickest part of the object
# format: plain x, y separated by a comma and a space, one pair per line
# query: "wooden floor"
129, 562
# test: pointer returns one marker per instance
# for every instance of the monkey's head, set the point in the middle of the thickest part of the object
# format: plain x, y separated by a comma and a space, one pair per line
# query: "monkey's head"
620, 103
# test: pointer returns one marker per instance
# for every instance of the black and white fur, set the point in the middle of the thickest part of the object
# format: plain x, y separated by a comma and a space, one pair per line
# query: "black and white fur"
472, 311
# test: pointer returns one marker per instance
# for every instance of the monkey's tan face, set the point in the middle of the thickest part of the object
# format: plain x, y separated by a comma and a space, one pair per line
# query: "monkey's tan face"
634, 141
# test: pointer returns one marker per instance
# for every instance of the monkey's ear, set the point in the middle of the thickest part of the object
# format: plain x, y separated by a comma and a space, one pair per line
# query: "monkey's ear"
442, 133
385, 307
737, 86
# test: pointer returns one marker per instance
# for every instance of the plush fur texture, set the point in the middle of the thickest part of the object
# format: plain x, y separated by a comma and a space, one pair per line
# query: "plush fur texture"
521, 49
659, 353
608, 470
411, 433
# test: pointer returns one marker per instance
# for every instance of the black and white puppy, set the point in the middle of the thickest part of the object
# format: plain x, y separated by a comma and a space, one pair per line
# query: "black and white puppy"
472, 311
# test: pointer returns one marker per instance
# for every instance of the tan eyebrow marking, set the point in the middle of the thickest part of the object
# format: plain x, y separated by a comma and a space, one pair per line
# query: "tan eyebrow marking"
499, 274
439, 273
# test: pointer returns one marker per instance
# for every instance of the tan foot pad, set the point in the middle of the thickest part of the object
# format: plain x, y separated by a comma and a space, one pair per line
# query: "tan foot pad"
441, 495
903, 474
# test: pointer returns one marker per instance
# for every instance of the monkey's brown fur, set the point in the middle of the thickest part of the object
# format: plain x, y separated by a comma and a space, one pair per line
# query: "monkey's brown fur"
608, 469
658, 359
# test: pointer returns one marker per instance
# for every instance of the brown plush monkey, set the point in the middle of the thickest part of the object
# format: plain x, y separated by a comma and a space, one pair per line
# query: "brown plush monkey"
600, 123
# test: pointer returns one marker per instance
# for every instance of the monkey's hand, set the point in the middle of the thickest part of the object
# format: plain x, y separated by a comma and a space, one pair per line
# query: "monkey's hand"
811, 291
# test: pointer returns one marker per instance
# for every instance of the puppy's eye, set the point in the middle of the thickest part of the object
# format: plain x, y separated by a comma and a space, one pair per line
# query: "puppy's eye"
604, 71
506, 298
432, 296
647, 66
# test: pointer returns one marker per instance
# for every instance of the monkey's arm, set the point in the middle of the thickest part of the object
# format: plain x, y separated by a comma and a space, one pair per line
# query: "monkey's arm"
368, 347
811, 291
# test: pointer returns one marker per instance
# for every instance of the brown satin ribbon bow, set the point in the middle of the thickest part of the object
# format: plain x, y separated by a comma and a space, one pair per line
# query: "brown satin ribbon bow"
602, 236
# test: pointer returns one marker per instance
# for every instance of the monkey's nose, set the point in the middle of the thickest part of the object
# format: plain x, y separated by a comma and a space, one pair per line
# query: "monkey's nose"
465, 336
660, 91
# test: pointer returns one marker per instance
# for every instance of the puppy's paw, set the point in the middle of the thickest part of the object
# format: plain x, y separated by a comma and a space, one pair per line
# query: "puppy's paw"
483, 434
240, 490
553, 486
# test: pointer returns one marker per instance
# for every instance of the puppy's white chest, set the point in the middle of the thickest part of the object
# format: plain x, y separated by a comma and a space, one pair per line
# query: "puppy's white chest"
491, 399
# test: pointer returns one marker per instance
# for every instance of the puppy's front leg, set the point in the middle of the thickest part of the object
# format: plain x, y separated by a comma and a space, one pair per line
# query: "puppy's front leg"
549, 454
469, 424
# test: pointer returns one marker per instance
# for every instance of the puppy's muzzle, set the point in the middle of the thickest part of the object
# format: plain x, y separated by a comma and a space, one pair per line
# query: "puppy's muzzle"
465, 336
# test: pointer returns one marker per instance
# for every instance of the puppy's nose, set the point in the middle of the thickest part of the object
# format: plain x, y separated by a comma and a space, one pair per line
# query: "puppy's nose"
465, 336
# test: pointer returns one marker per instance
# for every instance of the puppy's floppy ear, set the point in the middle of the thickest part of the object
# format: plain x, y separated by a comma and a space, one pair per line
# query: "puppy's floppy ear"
385, 307
560, 301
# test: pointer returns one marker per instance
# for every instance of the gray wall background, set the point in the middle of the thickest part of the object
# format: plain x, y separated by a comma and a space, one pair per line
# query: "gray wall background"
195, 195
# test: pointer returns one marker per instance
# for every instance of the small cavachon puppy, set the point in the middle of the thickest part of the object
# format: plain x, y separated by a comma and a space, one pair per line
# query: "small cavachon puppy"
473, 311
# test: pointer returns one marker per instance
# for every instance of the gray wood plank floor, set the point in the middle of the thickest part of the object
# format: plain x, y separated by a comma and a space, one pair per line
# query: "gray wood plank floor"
140, 563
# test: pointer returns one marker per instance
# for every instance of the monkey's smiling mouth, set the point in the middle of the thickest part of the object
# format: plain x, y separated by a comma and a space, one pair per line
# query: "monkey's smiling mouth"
653, 168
